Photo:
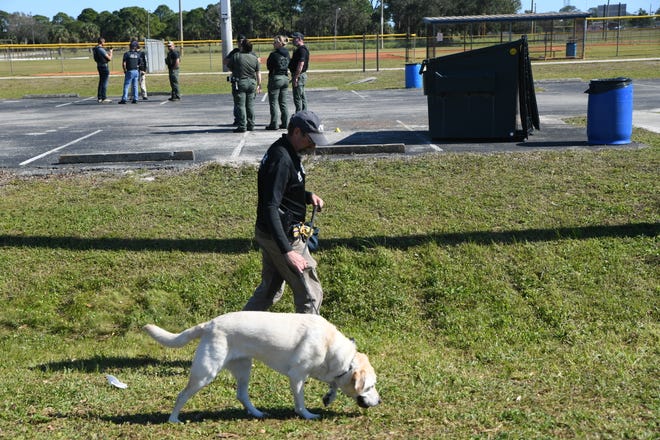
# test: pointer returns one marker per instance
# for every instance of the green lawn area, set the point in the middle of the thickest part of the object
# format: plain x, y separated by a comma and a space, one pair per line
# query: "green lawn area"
498, 296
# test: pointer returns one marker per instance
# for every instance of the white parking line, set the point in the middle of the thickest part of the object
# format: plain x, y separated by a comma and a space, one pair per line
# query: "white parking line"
239, 147
361, 96
59, 148
434, 146
74, 102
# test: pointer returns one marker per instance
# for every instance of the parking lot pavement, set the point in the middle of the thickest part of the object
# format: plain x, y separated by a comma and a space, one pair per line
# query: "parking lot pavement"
36, 133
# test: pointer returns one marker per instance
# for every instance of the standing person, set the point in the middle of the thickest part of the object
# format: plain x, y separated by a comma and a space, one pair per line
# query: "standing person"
229, 56
173, 61
130, 64
298, 67
143, 75
102, 57
278, 83
142, 68
244, 67
282, 204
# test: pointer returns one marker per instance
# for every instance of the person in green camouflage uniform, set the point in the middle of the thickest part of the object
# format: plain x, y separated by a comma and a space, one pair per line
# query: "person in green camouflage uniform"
244, 66
278, 83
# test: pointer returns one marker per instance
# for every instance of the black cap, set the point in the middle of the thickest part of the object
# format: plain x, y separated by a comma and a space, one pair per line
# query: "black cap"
311, 125
297, 35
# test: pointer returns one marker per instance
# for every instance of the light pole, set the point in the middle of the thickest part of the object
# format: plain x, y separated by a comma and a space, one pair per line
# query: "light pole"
148, 26
32, 26
225, 30
336, 15
180, 26
382, 25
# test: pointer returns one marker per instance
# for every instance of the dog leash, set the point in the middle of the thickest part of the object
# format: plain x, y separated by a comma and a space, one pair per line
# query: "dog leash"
311, 228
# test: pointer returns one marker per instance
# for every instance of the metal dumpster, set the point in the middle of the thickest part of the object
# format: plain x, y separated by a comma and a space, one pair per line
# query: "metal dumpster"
477, 94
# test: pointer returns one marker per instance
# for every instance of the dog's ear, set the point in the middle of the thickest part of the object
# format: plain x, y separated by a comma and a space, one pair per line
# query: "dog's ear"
358, 380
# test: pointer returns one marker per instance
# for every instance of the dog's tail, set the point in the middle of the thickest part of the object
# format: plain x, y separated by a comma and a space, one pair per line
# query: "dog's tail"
173, 340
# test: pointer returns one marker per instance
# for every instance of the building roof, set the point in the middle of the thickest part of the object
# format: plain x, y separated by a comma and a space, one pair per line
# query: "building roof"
506, 17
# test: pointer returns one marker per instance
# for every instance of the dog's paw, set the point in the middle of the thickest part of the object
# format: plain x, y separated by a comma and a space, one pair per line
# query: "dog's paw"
257, 414
305, 414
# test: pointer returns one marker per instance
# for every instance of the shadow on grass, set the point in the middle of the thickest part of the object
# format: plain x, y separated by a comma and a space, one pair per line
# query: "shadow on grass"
99, 364
282, 413
241, 245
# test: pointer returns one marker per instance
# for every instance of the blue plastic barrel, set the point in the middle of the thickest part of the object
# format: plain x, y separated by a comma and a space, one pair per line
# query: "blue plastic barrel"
413, 77
571, 49
609, 112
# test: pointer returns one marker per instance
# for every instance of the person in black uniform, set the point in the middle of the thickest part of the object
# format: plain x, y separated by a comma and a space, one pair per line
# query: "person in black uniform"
102, 56
173, 61
142, 68
130, 63
282, 204
278, 83
298, 67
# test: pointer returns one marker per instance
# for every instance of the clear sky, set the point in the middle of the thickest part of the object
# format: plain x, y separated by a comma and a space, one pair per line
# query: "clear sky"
73, 7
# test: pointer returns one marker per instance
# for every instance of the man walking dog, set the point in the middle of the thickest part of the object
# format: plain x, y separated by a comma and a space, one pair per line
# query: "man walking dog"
282, 205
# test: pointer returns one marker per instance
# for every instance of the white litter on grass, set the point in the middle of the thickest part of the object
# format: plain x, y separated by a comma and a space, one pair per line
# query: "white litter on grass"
112, 380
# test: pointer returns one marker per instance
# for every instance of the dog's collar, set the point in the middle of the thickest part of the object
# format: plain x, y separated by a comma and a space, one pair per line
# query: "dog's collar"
350, 367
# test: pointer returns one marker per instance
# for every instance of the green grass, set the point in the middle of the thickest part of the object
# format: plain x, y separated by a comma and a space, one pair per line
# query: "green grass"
498, 296
201, 74
385, 79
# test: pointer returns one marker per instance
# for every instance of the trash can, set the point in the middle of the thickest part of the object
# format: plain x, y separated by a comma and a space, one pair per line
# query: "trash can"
476, 95
413, 76
609, 111
571, 48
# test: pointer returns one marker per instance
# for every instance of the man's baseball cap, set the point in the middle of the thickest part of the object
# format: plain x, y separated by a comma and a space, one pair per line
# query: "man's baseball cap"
311, 125
297, 35
134, 44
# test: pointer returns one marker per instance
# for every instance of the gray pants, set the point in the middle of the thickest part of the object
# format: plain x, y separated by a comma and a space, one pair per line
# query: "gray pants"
279, 110
174, 82
244, 102
299, 97
307, 292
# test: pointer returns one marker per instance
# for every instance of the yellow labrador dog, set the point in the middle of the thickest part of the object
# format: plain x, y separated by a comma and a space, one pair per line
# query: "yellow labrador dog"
296, 345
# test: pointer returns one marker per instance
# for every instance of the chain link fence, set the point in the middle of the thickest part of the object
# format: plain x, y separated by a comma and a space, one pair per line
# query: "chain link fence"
630, 36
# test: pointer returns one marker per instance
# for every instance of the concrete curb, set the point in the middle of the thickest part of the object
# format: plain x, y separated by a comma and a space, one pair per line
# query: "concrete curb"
362, 149
189, 155
126, 157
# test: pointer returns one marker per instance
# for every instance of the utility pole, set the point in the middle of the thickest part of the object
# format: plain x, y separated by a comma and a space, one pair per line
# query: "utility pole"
336, 15
382, 25
225, 29
181, 26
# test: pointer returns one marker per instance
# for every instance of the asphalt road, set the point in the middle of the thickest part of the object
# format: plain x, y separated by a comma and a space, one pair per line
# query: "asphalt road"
38, 133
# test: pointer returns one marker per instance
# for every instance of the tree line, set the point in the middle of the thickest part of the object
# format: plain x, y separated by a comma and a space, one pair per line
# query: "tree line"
254, 18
